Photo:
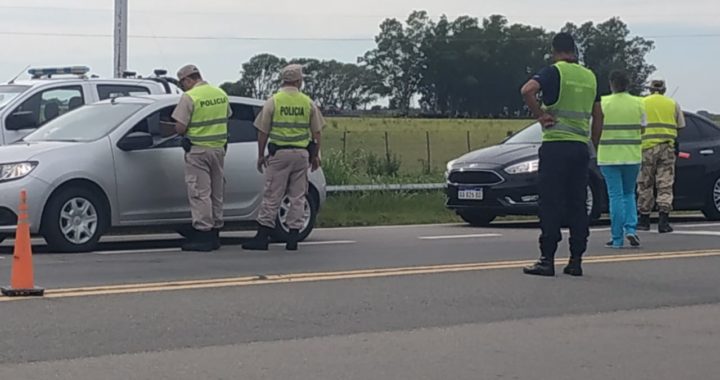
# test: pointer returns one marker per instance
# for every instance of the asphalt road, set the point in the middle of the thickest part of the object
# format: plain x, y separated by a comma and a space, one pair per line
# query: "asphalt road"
425, 302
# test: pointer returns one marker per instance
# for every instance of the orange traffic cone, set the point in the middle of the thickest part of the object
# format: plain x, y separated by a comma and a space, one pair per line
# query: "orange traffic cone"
22, 283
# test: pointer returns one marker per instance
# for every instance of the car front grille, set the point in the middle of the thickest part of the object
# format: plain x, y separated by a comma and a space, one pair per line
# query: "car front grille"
480, 177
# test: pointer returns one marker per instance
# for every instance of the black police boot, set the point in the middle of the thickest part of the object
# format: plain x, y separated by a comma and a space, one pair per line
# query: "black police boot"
216, 239
574, 267
543, 267
644, 223
199, 241
292, 241
261, 241
664, 223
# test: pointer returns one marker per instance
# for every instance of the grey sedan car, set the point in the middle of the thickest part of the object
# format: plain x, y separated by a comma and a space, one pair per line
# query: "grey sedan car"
117, 164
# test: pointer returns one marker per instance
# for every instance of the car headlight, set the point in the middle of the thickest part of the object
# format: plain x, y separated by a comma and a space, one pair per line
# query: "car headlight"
451, 164
523, 167
9, 172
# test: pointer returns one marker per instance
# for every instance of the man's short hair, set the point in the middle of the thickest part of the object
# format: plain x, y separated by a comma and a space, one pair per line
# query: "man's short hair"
563, 43
620, 80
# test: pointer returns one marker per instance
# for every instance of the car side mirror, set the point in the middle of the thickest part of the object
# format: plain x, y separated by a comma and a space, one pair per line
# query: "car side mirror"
21, 120
136, 141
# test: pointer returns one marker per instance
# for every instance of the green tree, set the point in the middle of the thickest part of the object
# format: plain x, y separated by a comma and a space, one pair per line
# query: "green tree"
260, 77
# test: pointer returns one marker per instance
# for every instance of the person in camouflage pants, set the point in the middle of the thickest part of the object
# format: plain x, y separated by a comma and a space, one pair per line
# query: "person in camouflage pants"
657, 174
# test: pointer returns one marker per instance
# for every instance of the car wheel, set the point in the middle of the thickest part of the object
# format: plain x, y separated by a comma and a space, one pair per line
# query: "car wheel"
74, 220
282, 231
477, 219
712, 205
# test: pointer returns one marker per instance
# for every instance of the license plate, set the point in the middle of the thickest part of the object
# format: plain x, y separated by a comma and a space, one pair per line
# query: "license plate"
471, 194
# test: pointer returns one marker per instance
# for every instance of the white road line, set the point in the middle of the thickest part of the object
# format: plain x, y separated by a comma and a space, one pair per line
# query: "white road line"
459, 236
697, 233
331, 242
699, 225
130, 251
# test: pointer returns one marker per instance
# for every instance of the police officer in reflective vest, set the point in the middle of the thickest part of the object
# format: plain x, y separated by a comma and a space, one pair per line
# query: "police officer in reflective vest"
290, 126
664, 118
201, 118
619, 157
570, 98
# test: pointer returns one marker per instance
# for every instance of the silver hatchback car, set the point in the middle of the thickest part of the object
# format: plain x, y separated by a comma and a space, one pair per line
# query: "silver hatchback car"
113, 164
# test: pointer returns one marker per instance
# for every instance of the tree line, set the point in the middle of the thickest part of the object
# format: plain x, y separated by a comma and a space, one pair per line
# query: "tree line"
465, 67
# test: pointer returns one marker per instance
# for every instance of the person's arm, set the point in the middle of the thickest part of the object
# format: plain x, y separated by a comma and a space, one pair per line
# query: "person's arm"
317, 123
530, 92
679, 116
597, 123
183, 114
263, 123
643, 122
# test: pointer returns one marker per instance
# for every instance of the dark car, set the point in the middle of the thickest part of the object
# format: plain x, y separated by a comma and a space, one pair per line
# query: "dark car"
502, 179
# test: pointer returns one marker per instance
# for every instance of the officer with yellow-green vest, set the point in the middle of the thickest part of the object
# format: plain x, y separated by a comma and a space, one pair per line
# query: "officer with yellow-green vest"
289, 125
201, 118
570, 99
657, 176
620, 156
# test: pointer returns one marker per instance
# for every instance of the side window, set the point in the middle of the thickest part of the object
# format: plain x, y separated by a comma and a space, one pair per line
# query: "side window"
162, 128
709, 130
692, 132
240, 126
45, 106
107, 91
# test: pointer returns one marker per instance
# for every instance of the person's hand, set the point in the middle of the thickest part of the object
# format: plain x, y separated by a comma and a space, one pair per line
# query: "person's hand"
547, 120
315, 163
261, 164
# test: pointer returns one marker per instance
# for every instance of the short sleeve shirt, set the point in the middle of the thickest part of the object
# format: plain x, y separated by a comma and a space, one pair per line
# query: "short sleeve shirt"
263, 122
549, 79
184, 110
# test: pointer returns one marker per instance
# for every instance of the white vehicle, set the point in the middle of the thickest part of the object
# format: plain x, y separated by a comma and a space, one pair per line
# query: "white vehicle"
26, 105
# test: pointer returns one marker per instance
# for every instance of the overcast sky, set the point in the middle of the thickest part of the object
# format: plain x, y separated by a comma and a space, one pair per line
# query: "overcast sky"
687, 33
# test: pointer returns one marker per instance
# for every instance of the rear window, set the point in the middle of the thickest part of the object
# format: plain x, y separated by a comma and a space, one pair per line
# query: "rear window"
106, 91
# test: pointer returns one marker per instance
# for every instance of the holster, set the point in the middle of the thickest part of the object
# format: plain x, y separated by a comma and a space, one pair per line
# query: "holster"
272, 149
313, 150
186, 144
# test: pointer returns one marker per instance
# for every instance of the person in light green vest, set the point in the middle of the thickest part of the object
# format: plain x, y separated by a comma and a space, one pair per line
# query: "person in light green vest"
569, 100
201, 118
620, 156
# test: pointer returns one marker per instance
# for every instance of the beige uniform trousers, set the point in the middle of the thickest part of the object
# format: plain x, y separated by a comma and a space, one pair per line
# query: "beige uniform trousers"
286, 174
206, 184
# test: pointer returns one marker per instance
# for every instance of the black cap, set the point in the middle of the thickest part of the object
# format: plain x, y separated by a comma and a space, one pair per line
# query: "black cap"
563, 43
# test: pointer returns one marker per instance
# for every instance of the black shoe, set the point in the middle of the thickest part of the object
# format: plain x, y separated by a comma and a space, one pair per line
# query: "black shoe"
644, 223
664, 223
261, 241
574, 268
292, 241
634, 240
543, 267
199, 241
216, 239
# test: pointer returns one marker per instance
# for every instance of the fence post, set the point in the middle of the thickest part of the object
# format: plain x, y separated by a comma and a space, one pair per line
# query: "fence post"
387, 147
344, 140
427, 137
468, 141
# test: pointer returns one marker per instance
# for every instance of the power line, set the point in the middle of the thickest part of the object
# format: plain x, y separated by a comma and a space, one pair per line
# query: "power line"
309, 39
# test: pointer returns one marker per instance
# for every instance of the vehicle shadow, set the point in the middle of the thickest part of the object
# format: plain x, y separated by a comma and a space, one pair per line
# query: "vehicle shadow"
603, 222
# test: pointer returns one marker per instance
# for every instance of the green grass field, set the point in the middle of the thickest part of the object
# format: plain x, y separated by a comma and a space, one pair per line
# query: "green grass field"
407, 138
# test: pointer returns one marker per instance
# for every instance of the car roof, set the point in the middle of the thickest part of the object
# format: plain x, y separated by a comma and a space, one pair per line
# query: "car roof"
170, 98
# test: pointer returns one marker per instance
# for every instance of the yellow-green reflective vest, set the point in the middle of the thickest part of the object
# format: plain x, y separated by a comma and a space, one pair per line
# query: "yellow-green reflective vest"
291, 120
208, 125
662, 121
573, 109
621, 141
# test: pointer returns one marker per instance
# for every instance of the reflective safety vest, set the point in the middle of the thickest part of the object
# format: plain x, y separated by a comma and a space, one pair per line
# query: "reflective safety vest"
621, 141
208, 125
662, 121
291, 120
573, 109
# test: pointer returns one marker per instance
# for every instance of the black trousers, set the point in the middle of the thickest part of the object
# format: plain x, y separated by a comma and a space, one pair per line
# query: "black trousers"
563, 173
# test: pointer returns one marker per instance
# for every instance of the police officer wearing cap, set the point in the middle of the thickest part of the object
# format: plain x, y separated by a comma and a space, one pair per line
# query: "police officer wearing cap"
290, 125
659, 151
569, 99
201, 118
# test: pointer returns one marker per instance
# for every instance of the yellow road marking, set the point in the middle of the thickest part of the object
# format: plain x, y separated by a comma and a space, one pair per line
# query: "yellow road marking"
347, 275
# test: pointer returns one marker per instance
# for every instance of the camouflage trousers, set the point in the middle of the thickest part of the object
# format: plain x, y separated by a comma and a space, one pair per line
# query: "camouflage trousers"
657, 177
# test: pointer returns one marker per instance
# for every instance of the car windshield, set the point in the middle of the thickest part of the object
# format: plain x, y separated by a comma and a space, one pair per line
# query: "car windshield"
10, 92
530, 135
87, 123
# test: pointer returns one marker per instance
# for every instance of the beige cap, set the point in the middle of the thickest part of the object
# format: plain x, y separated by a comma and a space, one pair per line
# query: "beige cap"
186, 71
291, 73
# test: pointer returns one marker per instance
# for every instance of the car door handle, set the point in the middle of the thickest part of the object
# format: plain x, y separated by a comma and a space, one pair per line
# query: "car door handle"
707, 152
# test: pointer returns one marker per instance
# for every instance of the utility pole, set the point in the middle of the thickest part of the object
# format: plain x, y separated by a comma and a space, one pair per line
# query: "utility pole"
120, 33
